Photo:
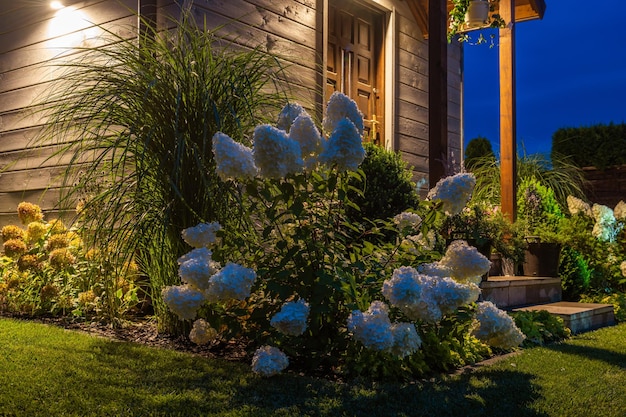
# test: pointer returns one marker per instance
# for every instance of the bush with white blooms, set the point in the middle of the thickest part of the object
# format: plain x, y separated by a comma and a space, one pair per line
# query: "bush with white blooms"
303, 282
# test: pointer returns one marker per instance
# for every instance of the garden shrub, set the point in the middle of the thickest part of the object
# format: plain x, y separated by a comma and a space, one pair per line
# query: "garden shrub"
574, 273
309, 295
618, 299
387, 188
540, 327
478, 152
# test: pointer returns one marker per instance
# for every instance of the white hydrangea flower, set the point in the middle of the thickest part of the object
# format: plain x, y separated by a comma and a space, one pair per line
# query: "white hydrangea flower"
466, 264
304, 131
341, 106
197, 253
268, 361
233, 160
406, 341
288, 115
620, 211
202, 332
373, 327
605, 227
275, 154
622, 268
292, 318
344, 147
454, 192
403, 288
451, 295
407, 219
495, 327
183, 300
196, 272
434, 269
232, 281
201, 235
577, 206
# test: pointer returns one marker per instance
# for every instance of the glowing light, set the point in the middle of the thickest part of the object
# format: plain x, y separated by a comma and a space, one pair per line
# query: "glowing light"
56, 5
69, 28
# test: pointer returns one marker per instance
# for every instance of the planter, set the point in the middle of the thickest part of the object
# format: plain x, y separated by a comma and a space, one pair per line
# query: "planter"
477, 14
542, 259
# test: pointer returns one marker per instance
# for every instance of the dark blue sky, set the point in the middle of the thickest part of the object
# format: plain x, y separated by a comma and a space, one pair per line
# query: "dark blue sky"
571, 72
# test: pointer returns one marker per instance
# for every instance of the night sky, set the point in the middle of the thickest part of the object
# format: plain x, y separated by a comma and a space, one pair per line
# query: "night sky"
571, 72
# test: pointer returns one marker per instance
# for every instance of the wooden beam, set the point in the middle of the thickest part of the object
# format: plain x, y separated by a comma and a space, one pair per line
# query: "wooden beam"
437, 90
508, 140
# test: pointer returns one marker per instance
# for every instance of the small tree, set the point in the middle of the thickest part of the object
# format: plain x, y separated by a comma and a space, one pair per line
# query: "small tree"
478, 152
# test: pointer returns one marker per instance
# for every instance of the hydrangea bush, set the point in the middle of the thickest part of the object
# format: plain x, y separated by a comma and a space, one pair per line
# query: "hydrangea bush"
306, 287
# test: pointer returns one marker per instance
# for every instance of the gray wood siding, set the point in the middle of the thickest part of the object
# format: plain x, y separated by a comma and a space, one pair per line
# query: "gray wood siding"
30, 37
290, 29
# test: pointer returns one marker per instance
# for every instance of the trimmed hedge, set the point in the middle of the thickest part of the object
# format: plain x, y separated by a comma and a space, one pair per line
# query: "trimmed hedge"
601, 146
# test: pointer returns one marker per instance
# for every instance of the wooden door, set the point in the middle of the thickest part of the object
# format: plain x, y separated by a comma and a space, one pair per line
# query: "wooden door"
354, 64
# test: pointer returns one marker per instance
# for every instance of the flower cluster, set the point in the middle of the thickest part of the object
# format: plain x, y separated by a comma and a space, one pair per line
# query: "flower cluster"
233, 159
426, 297
495, 327
406, 220
292, 318
375, 331
454, 192
232, 281
183, 300
372, 327
29, 212
464, 262
295, 143
577, 206
268, 361
202, 332
605, 228
202, 235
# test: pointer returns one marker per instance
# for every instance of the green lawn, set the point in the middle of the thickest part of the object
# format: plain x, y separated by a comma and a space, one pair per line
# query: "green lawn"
48, 371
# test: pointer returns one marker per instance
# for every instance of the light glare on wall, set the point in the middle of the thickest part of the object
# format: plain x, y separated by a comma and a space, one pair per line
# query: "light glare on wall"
56, 5
68, 28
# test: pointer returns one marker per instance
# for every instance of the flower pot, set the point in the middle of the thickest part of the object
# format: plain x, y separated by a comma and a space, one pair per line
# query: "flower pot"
542, 259
477, 14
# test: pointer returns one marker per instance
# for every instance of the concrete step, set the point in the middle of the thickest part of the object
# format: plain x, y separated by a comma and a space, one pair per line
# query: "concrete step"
579, 317
508, 292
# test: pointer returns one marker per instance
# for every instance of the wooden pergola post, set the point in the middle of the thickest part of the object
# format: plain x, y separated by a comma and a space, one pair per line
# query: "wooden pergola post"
508, 140
437, 90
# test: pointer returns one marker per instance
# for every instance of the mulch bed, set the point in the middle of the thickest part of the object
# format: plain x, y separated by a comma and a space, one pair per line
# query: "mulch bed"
143, 331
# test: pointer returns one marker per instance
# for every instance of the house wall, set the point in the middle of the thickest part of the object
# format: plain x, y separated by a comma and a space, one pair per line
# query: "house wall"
31, 35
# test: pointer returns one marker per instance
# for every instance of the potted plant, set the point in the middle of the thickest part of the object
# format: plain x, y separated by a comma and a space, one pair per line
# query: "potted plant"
473, 14
539, 216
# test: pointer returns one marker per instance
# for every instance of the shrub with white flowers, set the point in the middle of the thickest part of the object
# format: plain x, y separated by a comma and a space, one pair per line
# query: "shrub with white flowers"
309, 281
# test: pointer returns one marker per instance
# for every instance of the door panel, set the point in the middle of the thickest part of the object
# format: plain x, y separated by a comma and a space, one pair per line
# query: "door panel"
354, 64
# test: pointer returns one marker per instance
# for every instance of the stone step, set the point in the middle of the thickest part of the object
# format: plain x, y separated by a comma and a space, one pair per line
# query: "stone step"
578, 317
508, 292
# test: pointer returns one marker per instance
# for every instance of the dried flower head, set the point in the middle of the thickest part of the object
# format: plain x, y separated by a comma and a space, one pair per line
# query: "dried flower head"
61, 258
29, 212
12, 232
35, 231
29, 262
202, 332
58, 241
48, 292
13, 248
